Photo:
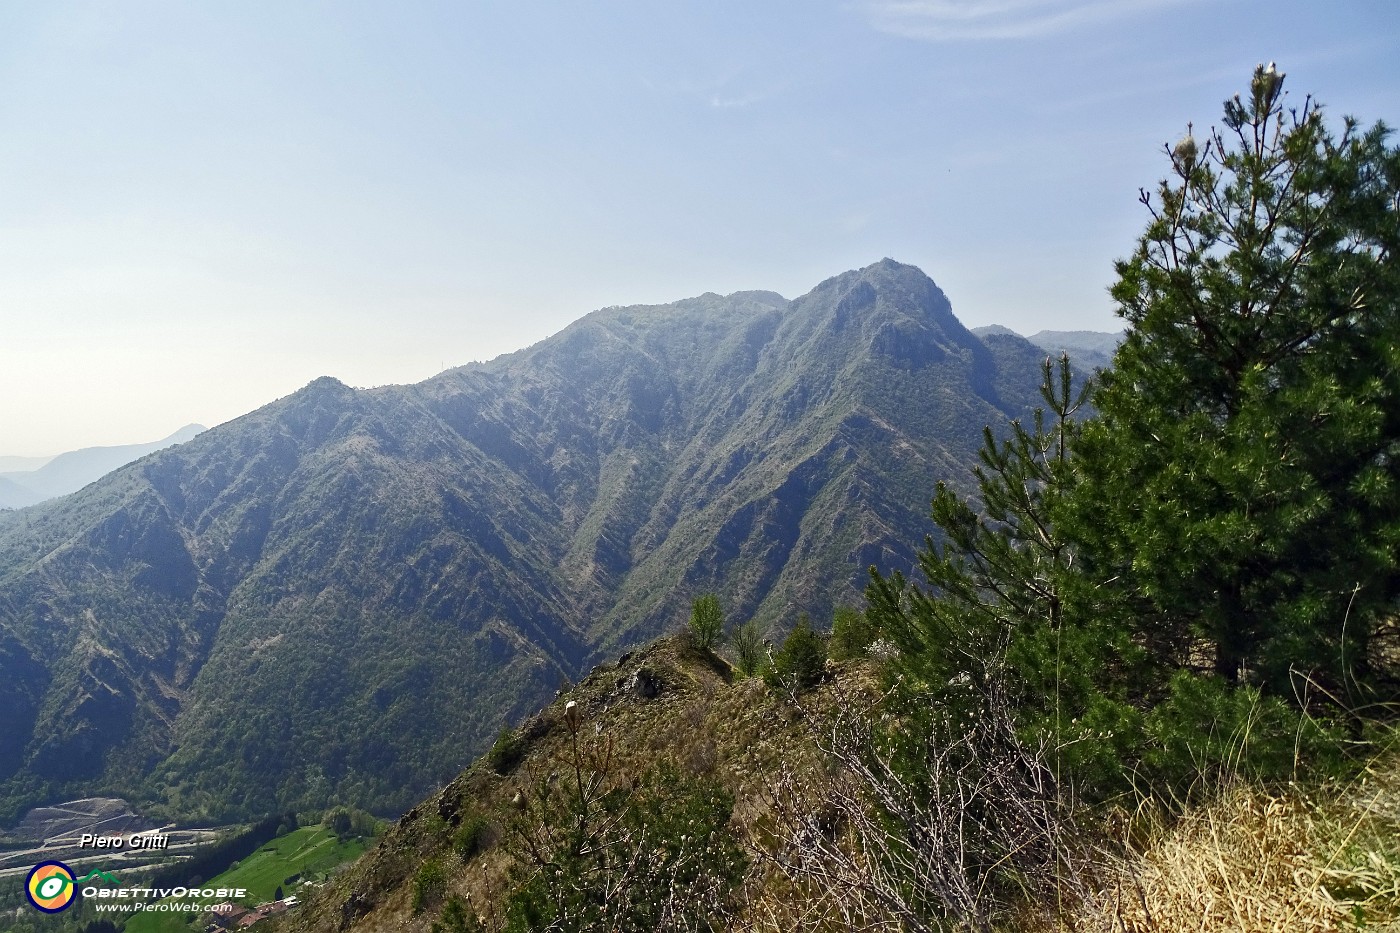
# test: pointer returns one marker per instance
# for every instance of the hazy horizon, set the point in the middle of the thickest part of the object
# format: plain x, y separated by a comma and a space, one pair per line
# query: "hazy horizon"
206, 207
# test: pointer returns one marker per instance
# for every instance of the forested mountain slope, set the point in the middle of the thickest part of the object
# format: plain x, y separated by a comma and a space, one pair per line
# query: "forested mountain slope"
345, 594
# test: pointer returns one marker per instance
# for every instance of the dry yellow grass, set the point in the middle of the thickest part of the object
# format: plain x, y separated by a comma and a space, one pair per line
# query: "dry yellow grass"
1255, 861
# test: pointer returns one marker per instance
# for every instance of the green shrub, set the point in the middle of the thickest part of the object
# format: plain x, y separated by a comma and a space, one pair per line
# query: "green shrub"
505, 752
706, 621
611, 851
456, 918
801, 662
429, 885
852, 632
1208, 729
471, 838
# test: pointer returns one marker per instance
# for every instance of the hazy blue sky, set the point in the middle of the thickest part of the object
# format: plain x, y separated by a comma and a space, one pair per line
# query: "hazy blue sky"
205, 205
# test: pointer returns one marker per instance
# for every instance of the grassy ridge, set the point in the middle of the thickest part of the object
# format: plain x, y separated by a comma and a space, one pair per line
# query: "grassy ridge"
1310, 856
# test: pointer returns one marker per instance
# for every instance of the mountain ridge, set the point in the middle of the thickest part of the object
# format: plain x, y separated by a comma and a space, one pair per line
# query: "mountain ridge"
1090, 349
345, 594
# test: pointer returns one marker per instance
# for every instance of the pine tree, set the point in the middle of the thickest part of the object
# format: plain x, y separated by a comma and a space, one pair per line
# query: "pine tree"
1239, 484
800, 663
1007, 617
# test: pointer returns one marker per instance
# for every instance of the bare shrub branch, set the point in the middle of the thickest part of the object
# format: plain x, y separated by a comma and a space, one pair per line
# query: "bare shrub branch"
936, 826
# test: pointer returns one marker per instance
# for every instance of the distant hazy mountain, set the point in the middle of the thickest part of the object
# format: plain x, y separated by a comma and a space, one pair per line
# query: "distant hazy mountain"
345, 594
13, 495
16, 464
1089, 348
58, 476
1097, 341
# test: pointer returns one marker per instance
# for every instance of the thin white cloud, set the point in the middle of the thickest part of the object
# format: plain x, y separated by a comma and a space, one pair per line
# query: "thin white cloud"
732, 90
744, 100
949, 20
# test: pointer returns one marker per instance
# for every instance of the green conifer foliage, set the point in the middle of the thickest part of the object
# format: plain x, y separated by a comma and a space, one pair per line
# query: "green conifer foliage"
851, 633
1239, 485
1008, 619
800, 663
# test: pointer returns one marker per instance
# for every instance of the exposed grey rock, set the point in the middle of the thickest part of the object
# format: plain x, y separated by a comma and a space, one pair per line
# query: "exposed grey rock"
644, 683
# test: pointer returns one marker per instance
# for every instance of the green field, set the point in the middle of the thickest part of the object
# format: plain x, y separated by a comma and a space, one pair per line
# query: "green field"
158, 923
306, 854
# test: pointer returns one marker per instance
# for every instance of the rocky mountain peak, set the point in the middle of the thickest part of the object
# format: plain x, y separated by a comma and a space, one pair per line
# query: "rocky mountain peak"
360, 587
